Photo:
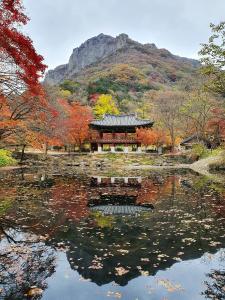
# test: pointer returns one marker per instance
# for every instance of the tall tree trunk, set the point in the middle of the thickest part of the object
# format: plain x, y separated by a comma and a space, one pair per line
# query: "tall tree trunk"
22, 153
172, 141
46, 150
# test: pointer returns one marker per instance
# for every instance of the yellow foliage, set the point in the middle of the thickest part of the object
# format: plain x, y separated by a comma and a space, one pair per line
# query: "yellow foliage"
176, 142
105, 105
125, 72
103, 221
65, 94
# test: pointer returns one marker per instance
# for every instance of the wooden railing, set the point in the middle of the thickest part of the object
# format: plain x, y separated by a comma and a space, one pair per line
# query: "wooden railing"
117, 140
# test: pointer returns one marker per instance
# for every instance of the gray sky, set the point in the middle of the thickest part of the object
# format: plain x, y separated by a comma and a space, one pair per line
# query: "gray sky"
58, 26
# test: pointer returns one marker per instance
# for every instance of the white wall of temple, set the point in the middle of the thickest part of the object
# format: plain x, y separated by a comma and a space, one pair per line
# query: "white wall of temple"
113, 148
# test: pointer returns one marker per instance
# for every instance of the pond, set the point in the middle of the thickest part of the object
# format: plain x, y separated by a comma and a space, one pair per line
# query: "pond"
145, 236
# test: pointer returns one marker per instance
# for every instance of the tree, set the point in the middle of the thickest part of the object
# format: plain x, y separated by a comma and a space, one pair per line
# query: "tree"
215, 285
144, 109
15, 110
154, 137
105, 105
167, 111
20, 65
213, 59
31, 123
47, 128
21, 95
76, 123
197, 111
24, 263
216, 125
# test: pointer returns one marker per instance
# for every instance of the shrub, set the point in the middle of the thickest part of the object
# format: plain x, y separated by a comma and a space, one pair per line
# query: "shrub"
6, 158
200, 151
119, 149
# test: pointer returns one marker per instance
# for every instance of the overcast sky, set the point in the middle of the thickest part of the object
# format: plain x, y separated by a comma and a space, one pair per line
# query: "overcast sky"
58, 26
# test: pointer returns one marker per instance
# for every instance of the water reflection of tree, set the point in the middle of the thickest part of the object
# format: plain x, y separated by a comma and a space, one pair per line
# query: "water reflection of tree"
216, 285
24, 262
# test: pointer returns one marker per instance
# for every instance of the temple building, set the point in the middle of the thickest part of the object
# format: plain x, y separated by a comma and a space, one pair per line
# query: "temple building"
117, 132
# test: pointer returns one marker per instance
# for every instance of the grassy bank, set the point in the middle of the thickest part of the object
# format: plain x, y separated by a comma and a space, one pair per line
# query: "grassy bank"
6, 158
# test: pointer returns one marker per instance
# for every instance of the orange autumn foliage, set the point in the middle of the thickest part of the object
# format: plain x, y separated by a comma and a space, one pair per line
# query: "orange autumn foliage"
154, 137
19, 111
76, 123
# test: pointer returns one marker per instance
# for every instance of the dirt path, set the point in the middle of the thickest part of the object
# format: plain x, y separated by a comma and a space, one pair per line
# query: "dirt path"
143, 167
9, 168
201, 167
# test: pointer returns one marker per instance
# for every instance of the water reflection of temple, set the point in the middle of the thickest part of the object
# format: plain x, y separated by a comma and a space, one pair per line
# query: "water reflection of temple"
116, 196
132, 181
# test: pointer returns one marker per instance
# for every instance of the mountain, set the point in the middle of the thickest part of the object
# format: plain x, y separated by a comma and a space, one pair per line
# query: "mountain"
104, 64
117, 50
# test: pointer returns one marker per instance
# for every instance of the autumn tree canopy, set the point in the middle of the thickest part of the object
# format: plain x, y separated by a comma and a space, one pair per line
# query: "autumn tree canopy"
75, 123
20, 65
19, 110
213, 59
154, 137
167, 111
21, 95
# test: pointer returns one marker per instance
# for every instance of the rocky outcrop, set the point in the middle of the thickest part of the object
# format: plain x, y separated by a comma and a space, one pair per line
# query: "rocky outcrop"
56, 75
88, 53
94, 50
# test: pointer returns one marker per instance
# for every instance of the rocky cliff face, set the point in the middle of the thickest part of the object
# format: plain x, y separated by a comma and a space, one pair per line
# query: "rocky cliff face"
107, 49
92, 51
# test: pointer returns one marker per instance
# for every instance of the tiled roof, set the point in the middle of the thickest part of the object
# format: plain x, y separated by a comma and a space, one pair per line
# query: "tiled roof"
120, 209
189, 139
121, 120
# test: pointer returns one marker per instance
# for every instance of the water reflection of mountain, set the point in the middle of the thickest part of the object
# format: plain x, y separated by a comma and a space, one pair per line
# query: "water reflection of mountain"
186, 222
183, 226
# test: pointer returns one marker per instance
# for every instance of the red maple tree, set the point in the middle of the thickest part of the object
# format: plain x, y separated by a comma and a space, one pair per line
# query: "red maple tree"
20, 65
216, 126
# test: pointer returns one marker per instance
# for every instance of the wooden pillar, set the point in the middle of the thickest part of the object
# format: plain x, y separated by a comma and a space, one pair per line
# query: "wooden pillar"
126, 149
99, 180
139, 148
99, 148
112, 148
126, 180
160, 150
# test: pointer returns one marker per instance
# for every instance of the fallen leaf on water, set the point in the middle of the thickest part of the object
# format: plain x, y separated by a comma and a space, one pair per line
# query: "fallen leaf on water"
121, 271
34, 291
114, 294
169, 286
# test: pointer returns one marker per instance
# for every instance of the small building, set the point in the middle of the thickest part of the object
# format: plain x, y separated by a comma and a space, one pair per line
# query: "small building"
117, 131
192, 140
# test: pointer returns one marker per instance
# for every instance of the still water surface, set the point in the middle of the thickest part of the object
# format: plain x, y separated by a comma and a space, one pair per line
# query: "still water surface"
156, 236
